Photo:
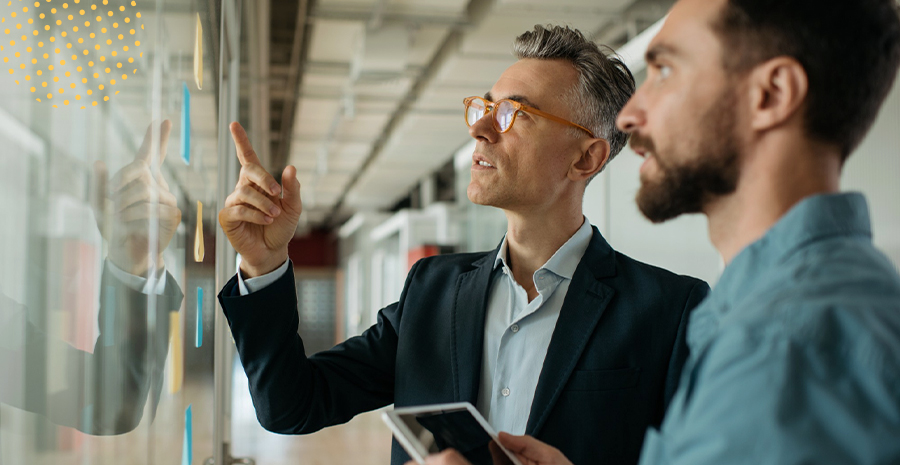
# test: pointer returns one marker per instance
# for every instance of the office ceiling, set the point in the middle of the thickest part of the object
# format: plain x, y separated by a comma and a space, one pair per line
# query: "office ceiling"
379, 84
365, 97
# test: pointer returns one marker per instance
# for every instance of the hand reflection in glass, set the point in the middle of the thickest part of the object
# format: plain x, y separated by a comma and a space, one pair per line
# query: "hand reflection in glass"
104, 391
125, 210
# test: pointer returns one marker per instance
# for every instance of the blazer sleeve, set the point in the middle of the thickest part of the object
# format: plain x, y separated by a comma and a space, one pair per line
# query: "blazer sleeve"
298, 394
106, 390
128, 364
680, 350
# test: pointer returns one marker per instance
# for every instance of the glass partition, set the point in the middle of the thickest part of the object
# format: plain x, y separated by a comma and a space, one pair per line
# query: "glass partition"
108, 149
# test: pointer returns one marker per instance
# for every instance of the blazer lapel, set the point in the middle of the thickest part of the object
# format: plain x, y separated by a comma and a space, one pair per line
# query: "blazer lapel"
467, 325
585, 302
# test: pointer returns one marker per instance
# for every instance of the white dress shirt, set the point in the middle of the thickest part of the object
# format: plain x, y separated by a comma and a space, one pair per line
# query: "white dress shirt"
254, 284
156, 284
517, 332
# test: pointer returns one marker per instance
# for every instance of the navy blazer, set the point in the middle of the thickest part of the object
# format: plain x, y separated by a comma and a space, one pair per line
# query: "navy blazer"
612, 366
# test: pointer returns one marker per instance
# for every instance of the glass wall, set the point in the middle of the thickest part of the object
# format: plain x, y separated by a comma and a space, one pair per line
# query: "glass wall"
108, 147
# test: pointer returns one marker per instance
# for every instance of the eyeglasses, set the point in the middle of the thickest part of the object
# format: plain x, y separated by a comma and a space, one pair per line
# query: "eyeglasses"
505, 112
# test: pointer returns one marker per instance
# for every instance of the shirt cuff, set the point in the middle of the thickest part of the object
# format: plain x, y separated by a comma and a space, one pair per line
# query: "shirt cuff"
260, 282
156, 284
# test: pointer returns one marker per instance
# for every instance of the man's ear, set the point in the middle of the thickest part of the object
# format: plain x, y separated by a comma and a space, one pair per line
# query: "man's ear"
778, 90
594, 155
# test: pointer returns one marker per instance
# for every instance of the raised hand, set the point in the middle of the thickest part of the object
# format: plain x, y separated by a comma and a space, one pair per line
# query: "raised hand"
123, 207
257, 219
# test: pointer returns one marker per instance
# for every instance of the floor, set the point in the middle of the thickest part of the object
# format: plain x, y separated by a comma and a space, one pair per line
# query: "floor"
364, 440
30, 439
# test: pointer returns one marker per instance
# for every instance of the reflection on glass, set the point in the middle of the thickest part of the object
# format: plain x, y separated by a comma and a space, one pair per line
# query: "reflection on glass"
102, 389
95, 231
138, 194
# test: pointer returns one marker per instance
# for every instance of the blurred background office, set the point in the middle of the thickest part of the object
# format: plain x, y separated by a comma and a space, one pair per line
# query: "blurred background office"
115, 158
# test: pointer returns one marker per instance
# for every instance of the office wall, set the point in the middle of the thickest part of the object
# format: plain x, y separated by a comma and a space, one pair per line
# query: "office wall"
874, 169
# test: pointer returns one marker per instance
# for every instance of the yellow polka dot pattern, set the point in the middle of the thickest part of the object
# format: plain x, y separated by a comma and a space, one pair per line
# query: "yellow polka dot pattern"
70, 46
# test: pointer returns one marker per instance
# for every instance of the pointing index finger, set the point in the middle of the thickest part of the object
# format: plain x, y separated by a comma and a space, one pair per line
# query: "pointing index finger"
144, 152
245, 151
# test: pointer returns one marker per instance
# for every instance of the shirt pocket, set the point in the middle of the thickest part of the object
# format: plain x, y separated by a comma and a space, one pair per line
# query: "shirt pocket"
603, 380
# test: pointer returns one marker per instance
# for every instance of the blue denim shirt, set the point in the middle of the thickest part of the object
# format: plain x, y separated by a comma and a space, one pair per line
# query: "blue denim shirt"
794, 355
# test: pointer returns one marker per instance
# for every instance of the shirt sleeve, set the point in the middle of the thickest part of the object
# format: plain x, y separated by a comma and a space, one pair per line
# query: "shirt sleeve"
754, 398
261, 282
156, 284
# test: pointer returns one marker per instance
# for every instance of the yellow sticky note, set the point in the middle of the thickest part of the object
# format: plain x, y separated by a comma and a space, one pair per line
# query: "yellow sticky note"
198, 55
199, 249
176, 348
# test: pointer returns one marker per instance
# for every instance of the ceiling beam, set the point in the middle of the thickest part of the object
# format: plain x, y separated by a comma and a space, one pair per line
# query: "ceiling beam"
476, 11
387, 16
299, 51
258, 31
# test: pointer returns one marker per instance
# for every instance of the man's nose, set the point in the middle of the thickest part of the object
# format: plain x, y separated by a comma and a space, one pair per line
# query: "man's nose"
483, 129
632, 116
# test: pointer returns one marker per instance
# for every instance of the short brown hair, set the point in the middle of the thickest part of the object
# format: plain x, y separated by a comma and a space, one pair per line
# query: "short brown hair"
850, 50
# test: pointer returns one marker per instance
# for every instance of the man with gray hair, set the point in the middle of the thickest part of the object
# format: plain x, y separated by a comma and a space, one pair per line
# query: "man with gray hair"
550, 333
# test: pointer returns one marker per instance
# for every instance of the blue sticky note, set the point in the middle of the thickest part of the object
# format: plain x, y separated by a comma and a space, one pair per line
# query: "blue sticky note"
187, 451
199, 339
186, 125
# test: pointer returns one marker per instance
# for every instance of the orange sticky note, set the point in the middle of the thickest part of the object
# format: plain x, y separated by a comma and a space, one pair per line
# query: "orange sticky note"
198, 55
176, 348
199, 249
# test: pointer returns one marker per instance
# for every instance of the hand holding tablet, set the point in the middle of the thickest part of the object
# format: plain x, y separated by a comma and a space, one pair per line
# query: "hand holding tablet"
433, 428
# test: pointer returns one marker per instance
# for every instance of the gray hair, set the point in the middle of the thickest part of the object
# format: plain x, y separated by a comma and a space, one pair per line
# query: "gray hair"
604, 85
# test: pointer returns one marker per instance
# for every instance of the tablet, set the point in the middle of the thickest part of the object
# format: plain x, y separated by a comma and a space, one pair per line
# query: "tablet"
430, 429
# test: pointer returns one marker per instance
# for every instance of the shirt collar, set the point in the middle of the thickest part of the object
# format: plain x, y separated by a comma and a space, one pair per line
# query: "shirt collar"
566, 259
813, 219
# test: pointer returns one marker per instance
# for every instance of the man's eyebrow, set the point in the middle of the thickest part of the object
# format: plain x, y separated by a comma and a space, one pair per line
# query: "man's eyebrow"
654, 52
515, 98
523, 100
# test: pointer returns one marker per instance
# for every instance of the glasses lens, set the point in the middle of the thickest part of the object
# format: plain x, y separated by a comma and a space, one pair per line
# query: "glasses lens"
474, 111
504, 115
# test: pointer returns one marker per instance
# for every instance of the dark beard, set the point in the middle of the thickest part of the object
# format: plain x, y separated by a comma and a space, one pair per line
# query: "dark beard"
687, 188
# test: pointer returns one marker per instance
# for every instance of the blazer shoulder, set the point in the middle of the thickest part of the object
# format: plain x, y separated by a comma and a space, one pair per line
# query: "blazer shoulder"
458, 262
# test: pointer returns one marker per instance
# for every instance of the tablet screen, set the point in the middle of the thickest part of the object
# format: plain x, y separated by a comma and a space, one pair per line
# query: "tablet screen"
457, 429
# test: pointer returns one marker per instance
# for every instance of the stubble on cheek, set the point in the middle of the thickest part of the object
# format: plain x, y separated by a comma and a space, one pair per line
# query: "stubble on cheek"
711, 168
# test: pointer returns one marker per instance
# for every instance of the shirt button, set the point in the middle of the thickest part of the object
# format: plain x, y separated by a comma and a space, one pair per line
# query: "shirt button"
505, 271
514, 328
505, 392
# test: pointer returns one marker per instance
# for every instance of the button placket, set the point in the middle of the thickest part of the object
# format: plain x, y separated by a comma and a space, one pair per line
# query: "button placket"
502, 375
